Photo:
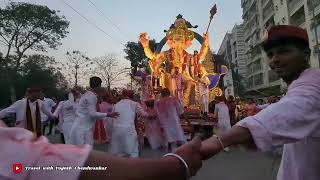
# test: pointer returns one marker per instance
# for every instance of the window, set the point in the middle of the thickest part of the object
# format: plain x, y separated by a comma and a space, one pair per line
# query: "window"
258, 79
272, 76
298, 18
250, 82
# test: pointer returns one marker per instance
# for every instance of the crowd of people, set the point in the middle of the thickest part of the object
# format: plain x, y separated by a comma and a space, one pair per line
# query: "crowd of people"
293, 122
101, 116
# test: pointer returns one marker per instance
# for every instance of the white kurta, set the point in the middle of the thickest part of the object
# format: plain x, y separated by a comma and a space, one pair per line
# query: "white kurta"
47, 104
107, 108
177, 86
221, 111
18, 145
294, 122
169, 110
19, 108
66, 111
86, 114
124, 140
204, 93
154, 131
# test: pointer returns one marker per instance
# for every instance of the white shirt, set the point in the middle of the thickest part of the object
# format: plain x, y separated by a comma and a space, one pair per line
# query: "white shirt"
86, 112
127, 110
204, 86
47, 104
294, 122
19, 108
66, 111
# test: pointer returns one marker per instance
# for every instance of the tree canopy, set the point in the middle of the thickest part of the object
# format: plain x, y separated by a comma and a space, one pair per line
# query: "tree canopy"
136, 55
39, 70
23, 27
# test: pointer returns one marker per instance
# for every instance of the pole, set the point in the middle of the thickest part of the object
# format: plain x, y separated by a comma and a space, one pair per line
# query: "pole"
315, 31
209, 24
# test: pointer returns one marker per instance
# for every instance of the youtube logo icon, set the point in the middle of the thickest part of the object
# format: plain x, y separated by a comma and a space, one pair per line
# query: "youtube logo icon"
17, 168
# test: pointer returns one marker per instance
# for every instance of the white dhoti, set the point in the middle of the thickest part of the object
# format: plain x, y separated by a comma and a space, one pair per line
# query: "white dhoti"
66, 129
222, 113
81, 134
124, 142
204, 103
169, 110
86, 114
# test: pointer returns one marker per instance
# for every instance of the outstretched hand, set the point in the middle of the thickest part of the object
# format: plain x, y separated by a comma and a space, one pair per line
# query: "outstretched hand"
190, 152
143, 39
113, 114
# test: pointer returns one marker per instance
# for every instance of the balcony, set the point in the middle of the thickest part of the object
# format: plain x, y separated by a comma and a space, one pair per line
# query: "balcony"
314, 5
256, 81
254, 17
294, 5
268, 11
265, 3
248, 7
252, 31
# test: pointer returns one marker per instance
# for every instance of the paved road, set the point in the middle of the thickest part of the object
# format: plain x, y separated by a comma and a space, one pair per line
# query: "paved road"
238, 164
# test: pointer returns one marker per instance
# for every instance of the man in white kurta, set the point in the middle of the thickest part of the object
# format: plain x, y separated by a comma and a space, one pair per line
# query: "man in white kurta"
169, 109
294, 121
124, 140
19, 107
66, 112
203, 85
86, 114
177, 84
47, 104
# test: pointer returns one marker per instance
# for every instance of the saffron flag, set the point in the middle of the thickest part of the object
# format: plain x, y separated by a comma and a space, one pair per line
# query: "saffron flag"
213, 11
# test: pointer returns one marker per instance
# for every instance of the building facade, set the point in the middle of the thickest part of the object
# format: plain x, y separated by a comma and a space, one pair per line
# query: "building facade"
258, 16
232, 49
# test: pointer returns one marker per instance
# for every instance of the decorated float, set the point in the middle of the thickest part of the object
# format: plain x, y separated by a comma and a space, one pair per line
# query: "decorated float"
191, 65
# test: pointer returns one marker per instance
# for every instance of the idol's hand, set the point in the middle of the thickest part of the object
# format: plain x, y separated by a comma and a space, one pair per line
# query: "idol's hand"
143, 39
210, 147
190, 152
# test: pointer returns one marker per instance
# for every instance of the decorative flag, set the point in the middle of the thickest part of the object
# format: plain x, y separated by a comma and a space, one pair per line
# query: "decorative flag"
213, 11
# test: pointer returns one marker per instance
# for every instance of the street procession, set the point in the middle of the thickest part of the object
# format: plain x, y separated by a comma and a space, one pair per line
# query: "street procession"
175, 90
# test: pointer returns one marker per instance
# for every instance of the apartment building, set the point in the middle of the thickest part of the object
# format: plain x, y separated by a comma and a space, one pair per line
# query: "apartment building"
232, 49
259, 15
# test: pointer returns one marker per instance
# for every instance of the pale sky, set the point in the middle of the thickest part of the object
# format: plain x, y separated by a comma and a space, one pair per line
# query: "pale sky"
132, 17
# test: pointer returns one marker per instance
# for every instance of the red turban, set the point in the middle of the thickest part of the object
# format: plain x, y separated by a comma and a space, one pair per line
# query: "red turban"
127, 93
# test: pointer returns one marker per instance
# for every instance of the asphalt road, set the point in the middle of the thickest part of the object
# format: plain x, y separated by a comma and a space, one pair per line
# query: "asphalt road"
238, 164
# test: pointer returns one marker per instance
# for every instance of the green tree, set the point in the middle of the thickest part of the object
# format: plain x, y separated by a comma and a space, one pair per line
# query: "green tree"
41, 70
136, 55
36, 69
23, 27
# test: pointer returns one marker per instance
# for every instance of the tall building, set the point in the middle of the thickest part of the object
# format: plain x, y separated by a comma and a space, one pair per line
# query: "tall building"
225, 52
259, 15
232, 49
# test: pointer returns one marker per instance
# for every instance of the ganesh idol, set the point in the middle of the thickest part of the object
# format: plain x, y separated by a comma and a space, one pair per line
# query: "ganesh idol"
164, 64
